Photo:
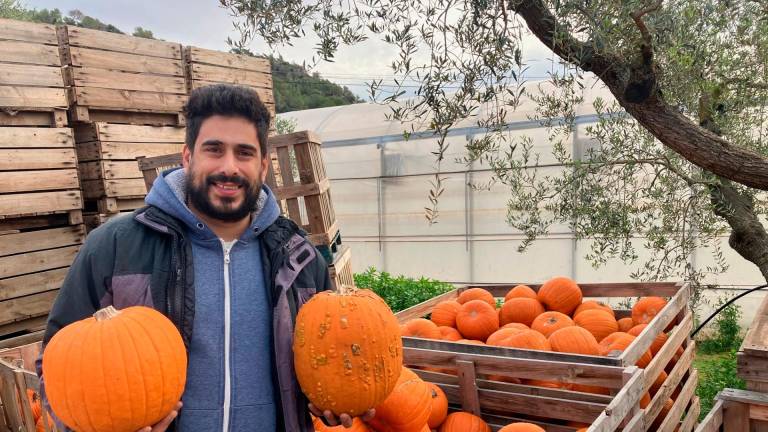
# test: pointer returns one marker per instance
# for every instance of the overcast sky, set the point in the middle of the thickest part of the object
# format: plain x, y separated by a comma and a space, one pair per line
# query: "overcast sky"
203, 23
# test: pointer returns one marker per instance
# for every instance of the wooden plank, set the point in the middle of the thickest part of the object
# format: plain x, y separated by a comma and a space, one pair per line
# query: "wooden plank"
31, 324
287, 140
136, 117
36, 137
682, 366
130, 151
29, 53
735, 416
744, 396
752, 369
128, 99
40, 240
26, 410
713, 420
29, 159
470, 401
621, 405
422, 309
302, 190
30, 75
35, 181
32, 283
675, 415
756, 340
40, 202
27, 118
21, 97
91, 170
30, 262
94, 189
27, 307
28, 32
662, 358
101, 78
229, 60
264, 92
21, 340
91, 58
140, 134
230, 76
10, 396
83, 37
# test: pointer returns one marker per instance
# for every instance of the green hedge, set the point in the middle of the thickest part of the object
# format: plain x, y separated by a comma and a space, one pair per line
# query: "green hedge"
400, 292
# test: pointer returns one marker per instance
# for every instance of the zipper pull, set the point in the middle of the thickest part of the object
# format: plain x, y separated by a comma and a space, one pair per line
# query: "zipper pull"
226, 256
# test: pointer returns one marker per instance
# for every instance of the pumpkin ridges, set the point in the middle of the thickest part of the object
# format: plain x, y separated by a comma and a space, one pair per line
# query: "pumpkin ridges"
658, 342
575, 340
477, 320
444, 313
439, 406
477, 294
521, 291
449, 334
560, 294
548, 322
598, 322
625, 324
406, 409
619, 342
421, 328
464, 422
593, 304
524, 339
646, 308
520, 310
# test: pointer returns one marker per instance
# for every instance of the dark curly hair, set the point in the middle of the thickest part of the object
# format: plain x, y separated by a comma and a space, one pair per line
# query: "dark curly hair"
226, 100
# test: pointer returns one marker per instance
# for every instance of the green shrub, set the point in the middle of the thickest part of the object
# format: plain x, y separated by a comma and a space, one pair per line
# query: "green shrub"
727, 332
716, 372
400, 292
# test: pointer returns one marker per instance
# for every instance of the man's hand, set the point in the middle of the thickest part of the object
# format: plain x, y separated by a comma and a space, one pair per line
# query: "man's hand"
344, 419
164, 423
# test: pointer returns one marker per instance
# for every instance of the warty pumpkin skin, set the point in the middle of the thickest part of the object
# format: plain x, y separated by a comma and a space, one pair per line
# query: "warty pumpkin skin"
560, 294
347, 351
464, 422
91, 368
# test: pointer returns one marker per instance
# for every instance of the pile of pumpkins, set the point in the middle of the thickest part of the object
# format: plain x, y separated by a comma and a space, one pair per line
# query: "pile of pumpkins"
556, 318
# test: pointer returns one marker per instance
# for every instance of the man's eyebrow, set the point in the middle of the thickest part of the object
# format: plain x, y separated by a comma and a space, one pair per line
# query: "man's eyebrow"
246, 146
212, 142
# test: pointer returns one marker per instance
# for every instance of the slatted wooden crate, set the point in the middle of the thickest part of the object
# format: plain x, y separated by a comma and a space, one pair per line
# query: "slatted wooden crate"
340, 269
15, 381
38, 176
32, 89
107, 154
122, 79
206, 67
753, 359
736, 411
681, 380
33, 265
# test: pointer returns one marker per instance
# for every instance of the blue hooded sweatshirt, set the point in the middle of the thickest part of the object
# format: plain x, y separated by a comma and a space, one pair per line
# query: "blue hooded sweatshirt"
229, 375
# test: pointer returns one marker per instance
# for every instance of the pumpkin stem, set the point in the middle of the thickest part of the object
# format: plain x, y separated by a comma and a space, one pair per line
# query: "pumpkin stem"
346, 289
107, 313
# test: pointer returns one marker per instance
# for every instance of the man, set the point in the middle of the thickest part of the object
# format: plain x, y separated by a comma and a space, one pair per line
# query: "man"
211, 251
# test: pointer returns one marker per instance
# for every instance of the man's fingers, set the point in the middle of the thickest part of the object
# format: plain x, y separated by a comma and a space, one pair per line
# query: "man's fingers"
316, 412
371, 413
164, 423
330, 418
346, 420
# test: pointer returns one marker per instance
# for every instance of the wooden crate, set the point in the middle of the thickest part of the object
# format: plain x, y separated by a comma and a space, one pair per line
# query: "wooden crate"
753, 359
681, 378
736, 411
95, 220
107, 152
122, 79
33, 265
32, 91
206, 67
38, 174
341, 269
17, 410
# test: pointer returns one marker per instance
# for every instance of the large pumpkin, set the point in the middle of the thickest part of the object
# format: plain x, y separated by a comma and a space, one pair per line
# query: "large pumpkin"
117, 371
347, 351
646, 309
560, 294
658, 342
477, 294
593, 304
449, 333
575, 340
625, 324
549, 322
439, 407
420, 328
357, 426
521, 310
444, 313
521, 427
598, 322
407, 408
464, 422
524, 339
521, 291
477, 320
619, 342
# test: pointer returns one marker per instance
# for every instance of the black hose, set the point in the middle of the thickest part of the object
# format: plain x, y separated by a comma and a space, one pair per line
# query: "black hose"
725, 305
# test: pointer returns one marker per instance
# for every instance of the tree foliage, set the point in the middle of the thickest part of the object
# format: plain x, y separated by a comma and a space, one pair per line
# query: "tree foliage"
678, 156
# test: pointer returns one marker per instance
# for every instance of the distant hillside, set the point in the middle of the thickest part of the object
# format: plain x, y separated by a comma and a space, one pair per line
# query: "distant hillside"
294, 88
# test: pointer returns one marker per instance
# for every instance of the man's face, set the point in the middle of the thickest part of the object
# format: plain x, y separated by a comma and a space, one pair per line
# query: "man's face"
226, 170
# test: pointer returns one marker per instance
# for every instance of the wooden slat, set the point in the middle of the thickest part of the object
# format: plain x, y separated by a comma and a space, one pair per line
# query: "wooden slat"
83, 37
84, 57
263, 90
624, 402
21, 340
229, 60
662, 358
735, 416
30, 262
26, 410
468, 387
32, 283
136, 117
22, 97
35, 137
29, 118
302, 190
754, 370
27, 203
294, 138
40, 240
30, 324
713, 420
28, 32
231, 76
422, 309
101, 78
27, 307
756, 340
136, 134
28, 159
10, 397
30, 75
29, 53
682, 366
681, 403
615, 289
128, 99
94, 189
36, 181
130, 151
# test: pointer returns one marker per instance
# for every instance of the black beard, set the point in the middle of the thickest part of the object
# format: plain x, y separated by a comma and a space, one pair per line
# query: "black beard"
198, 197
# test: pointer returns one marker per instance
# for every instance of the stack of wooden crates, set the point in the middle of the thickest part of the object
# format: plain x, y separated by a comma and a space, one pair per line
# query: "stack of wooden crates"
41, 205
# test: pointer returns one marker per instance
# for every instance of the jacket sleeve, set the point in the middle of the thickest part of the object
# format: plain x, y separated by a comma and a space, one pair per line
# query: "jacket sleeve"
80, 294
322, 275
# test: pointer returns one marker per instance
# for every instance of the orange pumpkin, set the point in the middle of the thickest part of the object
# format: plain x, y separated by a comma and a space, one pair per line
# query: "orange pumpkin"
668, 404
646, 308
342, 334
357, 426
645, 400
34, 403
589, 389
516, 326
625, 324
542, 383
523, 339
521, 291
439, 407
477, 320
560, 294
501, 334
444, 313
658, 382
657, 344
599, 322
40, 427
593, 304
520, 310
95, 352
407, 408
549, 322
464, 422
521, 427
449, 333
420, 328
575, 340
477, 294
619, 342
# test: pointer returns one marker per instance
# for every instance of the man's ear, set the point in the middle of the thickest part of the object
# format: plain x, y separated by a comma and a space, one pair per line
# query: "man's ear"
186, 155
265, 167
